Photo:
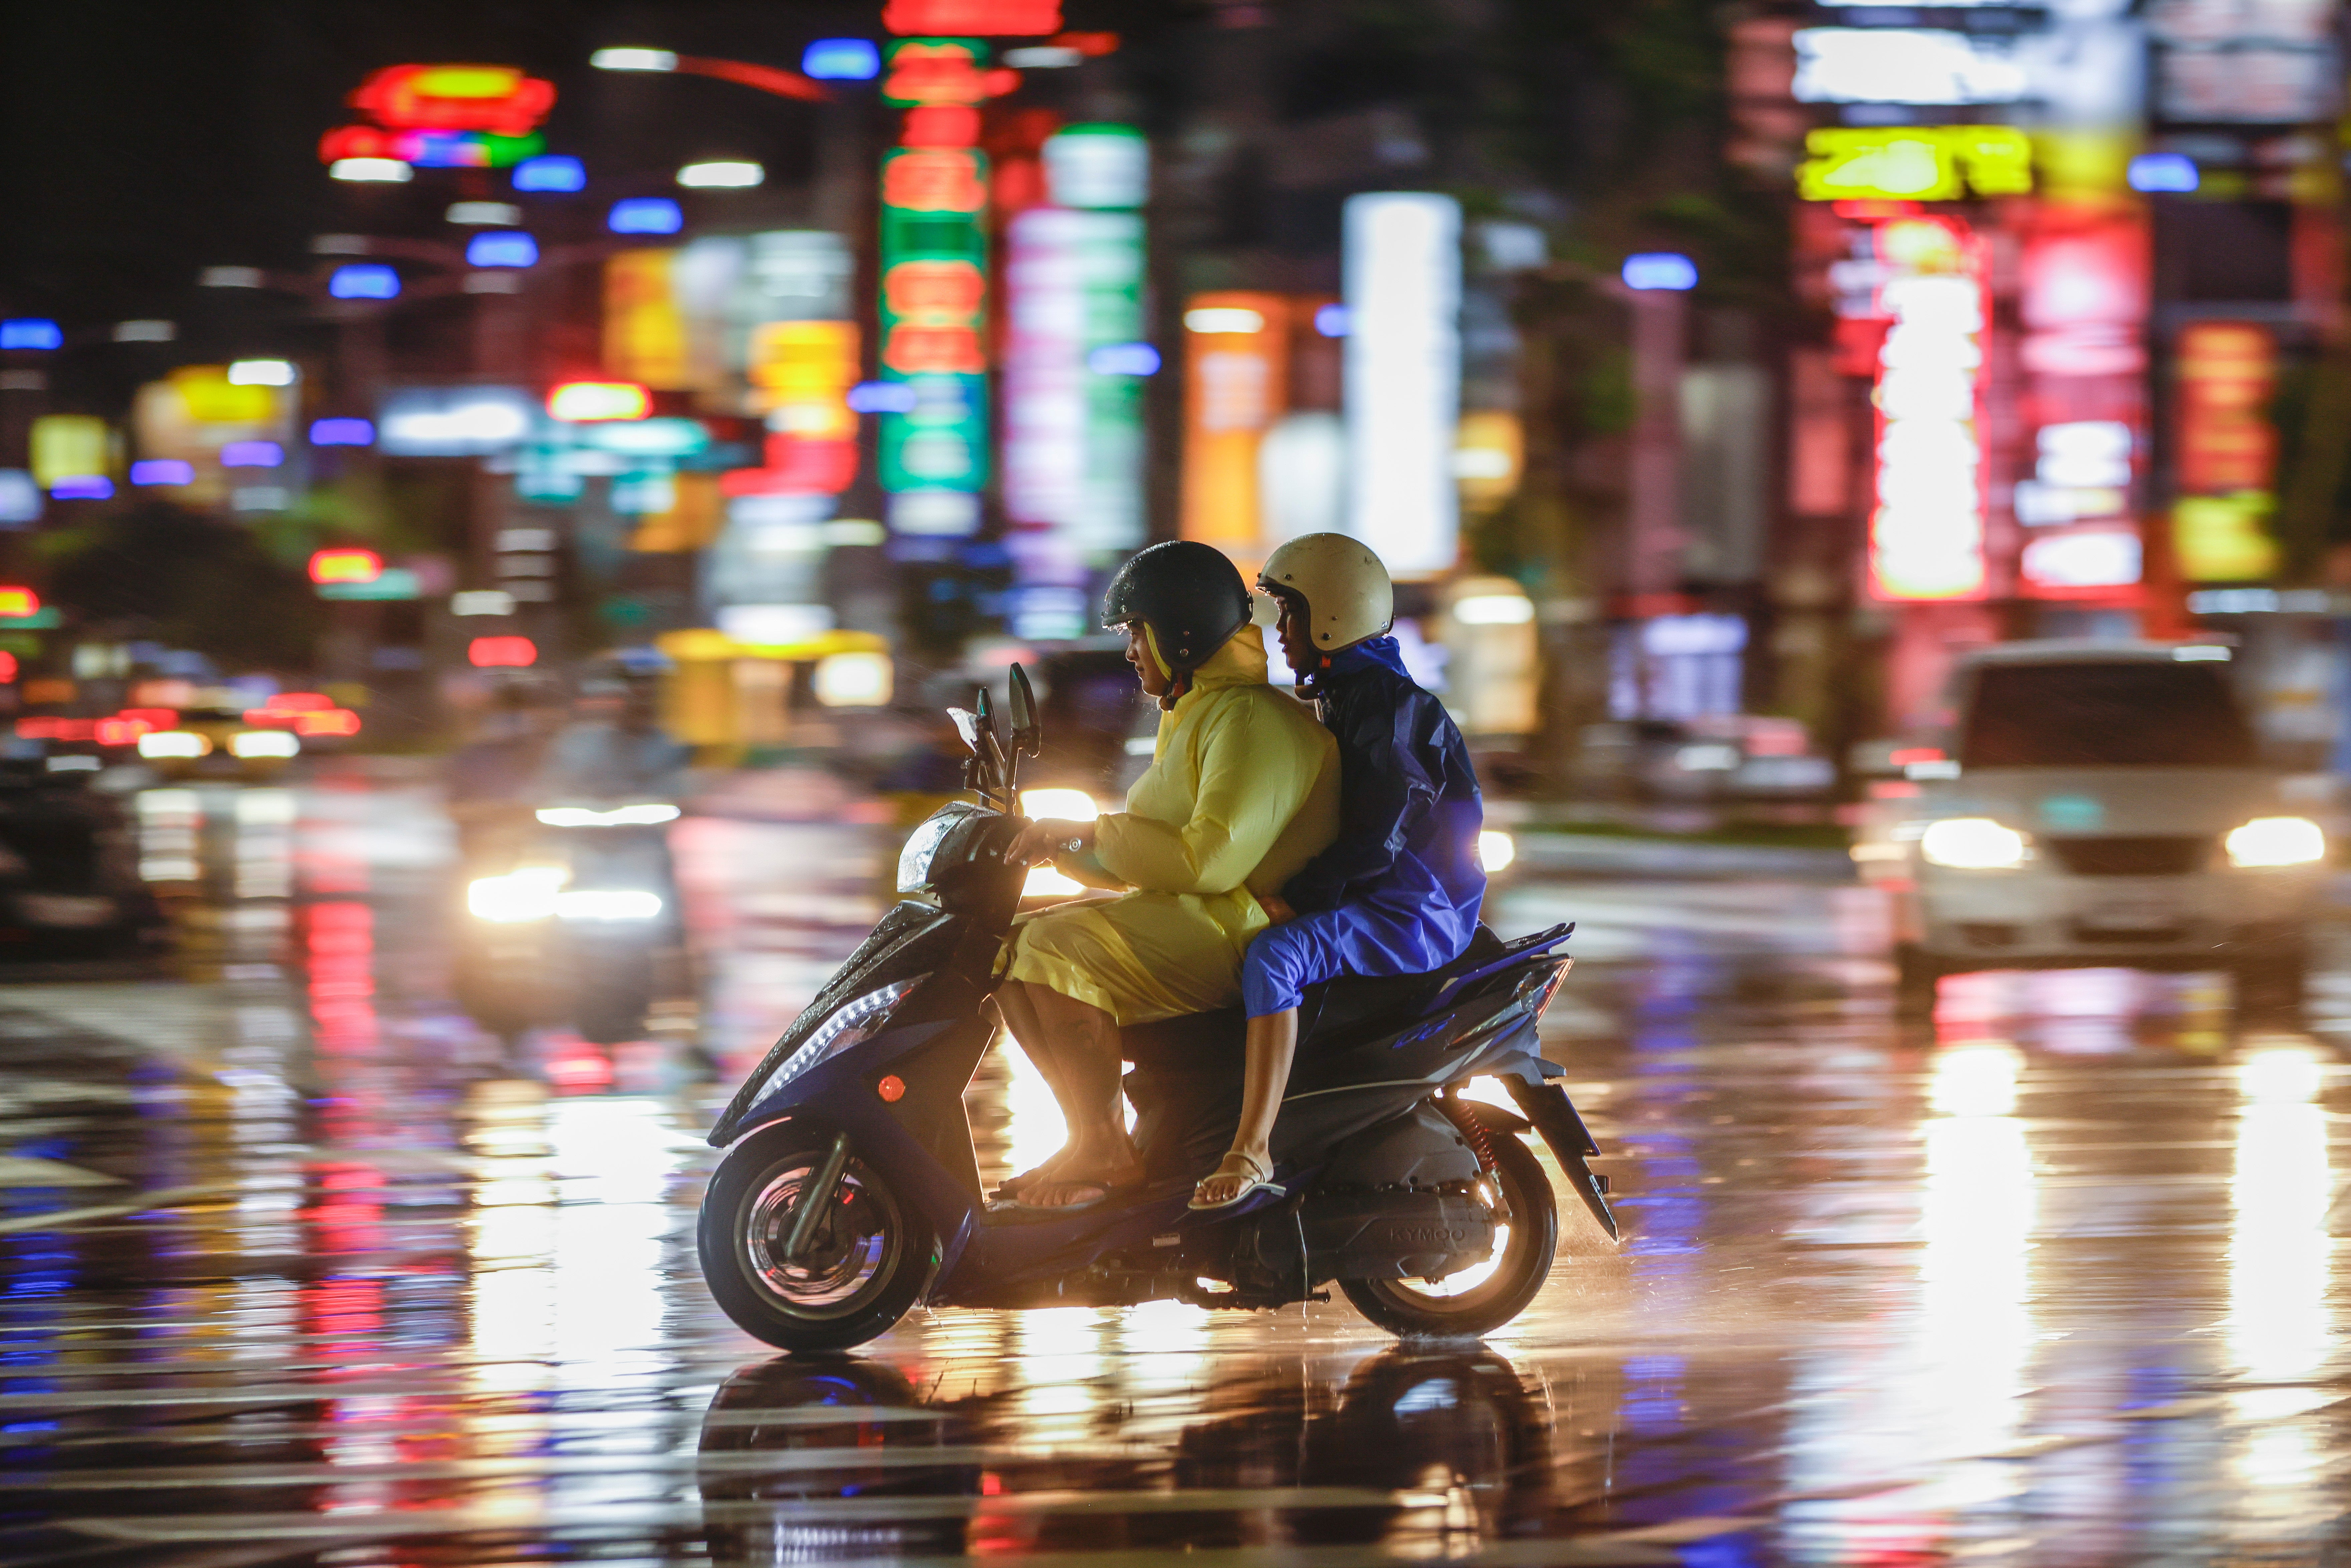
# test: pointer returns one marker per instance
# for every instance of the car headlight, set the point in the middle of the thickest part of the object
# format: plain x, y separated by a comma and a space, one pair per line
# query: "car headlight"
263, 743
639, 816
529, 893
607, 903
173, 742
850, 1024
2276, 841
1496, 849
1973, 843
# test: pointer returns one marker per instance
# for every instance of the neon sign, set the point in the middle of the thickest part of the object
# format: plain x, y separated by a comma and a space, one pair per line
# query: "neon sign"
496, 98
442, 117
1072, 405
1237, 360
2227, 451
934, 311
1923, 163
1019, 18
1402, 268
1927, 531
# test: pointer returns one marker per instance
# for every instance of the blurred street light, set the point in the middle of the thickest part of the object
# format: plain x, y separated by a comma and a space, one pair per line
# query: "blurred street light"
767, 79
371, 171
31, 332
493, 215
145, 332
633, 61
724, 175
261, 373
367, 280
645, 216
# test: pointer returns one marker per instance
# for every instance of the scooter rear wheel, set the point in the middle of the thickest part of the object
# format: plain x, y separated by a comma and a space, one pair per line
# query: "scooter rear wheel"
865, 1264
1483, 1297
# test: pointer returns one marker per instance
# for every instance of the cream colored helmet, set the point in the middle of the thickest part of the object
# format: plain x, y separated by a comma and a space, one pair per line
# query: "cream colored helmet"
1346, 590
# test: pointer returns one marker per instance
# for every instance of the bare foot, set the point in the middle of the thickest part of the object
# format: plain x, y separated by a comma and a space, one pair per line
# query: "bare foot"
1233, 1174
1044, 1171
1070, 1188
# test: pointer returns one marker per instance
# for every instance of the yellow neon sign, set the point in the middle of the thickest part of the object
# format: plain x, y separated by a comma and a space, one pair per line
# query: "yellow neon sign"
1914, 163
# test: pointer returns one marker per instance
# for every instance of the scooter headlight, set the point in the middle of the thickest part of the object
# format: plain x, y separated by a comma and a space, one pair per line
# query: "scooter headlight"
922, 845
851, 1023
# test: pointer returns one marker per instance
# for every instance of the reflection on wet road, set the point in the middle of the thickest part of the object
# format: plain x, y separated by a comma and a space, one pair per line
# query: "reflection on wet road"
292, 1270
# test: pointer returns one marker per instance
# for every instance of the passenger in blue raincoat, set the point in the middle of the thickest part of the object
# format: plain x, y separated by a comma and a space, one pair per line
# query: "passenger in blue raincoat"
1398, 892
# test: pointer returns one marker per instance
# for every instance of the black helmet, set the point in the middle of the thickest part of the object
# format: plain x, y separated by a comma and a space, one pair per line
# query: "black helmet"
1191, 597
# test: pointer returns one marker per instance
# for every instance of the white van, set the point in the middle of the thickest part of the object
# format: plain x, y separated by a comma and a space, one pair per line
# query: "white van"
2097, 803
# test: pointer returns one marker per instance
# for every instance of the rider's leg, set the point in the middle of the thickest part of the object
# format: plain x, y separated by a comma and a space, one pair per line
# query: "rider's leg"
1037, 1043
1281, 962
1272, 1043
1100, 1155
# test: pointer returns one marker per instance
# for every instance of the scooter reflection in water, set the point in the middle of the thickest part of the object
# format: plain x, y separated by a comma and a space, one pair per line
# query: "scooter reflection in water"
874, 1470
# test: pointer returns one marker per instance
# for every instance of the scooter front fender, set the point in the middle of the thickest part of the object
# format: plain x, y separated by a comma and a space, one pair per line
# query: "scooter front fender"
834, 1099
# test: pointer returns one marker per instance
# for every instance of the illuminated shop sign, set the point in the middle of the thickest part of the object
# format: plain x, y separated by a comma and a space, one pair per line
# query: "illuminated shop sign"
2221, 63
2227, 451
454, 421
1236, 368
1927, 530
1018, 18
1402, 268
1906, 65
443, 116
1073, 358
1925, 163
934, 455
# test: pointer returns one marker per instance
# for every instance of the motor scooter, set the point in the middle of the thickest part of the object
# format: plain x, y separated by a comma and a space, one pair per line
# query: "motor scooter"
849, 1191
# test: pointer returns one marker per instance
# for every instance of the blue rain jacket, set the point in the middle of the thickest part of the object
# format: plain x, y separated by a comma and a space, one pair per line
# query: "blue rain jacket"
1397, 892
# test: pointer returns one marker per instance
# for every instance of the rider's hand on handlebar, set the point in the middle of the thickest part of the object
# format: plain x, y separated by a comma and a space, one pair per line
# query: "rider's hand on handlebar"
1041, 842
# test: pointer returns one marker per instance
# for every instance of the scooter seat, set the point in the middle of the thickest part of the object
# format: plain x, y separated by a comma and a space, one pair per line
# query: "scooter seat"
1337, 1009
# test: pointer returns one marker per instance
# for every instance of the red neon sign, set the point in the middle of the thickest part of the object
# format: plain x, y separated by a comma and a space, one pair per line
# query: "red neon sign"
588, 402
501, 653
18, 603
496, 98
1017, 18
346, 566
933, 179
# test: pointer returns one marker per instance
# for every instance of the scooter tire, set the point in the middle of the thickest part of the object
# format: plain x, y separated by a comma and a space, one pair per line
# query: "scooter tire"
863, 1279
1519, 1274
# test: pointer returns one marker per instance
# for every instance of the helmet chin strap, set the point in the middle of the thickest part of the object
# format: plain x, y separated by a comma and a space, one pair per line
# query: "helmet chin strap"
1177, 682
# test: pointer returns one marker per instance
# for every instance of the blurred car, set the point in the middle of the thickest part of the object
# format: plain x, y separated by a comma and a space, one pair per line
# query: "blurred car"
2100, 803
69, 883
1716, 757
219, 743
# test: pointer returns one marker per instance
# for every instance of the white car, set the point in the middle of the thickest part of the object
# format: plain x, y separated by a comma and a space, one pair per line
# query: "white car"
2098, 803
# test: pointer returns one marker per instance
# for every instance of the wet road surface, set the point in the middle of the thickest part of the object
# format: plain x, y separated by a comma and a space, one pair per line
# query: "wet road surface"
295, 1268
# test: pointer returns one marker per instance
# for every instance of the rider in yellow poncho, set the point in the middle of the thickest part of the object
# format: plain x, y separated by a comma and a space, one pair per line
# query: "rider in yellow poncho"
1243, 789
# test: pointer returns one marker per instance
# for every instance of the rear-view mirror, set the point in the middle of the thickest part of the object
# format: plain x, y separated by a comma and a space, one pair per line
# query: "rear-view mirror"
1028, 732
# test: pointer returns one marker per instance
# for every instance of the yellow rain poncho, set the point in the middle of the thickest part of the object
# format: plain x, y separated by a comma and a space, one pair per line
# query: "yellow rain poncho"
1242, 792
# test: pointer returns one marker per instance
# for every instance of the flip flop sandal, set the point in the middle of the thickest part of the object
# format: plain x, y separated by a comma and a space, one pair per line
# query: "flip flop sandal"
1262, 1181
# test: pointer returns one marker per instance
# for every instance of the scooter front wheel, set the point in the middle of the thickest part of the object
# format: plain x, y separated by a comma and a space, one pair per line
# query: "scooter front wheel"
862, 1267
1483, 1297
